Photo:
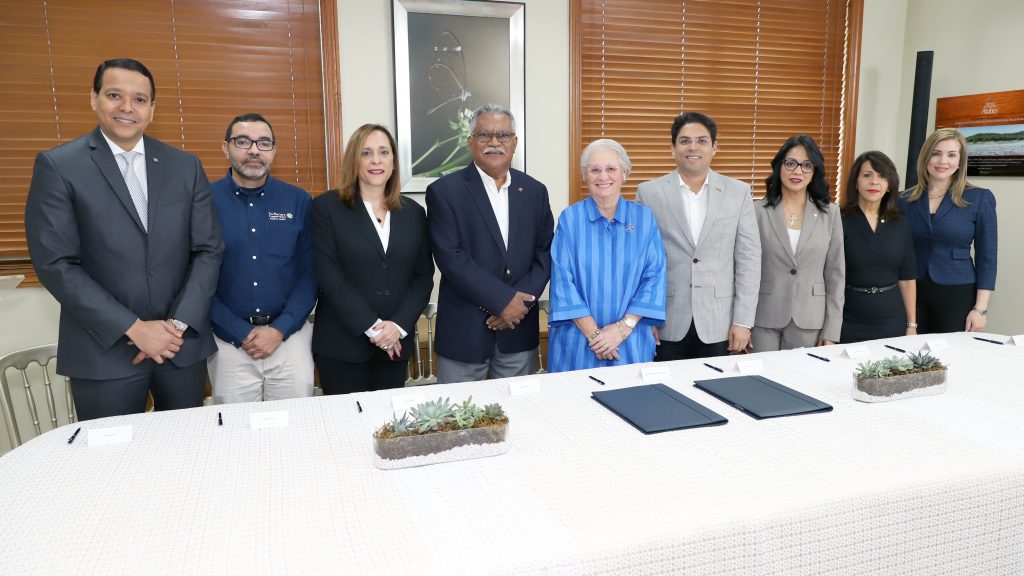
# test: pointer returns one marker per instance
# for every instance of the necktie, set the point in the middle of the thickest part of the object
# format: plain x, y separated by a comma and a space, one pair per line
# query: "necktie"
135, 188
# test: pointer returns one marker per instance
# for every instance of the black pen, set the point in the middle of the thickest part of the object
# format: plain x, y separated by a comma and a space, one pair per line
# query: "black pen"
987, 340
894, 348
359, 406
818, 357
715, 368
72, 439
596, 380
220, 420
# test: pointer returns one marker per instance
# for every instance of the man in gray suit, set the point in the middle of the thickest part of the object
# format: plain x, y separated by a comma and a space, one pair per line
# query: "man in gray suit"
122, 232
711, 240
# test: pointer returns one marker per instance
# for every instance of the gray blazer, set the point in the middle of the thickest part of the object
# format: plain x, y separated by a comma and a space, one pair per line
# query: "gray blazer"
712, 282
809, 287
91, 252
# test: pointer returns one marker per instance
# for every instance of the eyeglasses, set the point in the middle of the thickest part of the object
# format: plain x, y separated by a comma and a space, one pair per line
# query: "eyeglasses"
485, 137
805, 166
700, 140
245, 143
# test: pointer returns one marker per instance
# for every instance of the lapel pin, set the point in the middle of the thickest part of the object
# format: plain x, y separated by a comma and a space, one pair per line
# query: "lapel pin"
155, 159
520, 189
630, 228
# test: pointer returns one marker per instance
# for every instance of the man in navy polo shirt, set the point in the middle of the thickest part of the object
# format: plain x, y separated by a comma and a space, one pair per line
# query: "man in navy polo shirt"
267, 285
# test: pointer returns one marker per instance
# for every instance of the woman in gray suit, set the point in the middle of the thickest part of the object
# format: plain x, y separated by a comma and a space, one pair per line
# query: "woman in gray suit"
803, 271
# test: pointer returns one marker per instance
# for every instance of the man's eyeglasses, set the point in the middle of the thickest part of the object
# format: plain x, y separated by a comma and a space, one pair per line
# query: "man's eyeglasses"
245, 143
805, 166
485, 137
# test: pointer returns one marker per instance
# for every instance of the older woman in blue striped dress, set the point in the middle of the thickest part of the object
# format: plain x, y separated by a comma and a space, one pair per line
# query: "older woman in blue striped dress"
607, 271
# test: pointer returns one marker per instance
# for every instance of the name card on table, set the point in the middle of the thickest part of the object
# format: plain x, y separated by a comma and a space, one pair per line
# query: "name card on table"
402, 404
749, 366
937, 345
655, 374
261, 420
855, 351
528, 386
1017, 340
111, 435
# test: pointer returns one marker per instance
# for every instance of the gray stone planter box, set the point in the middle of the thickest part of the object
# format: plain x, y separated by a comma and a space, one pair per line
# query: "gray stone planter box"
437, 447
899, 387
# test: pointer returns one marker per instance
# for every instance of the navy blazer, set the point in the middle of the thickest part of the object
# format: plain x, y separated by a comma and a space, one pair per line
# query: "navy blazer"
360, 282
942, 243
479, 276
92, 253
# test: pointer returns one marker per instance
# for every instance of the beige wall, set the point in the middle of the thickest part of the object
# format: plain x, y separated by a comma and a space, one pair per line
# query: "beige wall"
974, 53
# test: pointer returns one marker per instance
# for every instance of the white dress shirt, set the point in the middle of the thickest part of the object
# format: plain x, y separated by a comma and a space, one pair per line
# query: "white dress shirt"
384, 233
139, 165
695, 206
499, 201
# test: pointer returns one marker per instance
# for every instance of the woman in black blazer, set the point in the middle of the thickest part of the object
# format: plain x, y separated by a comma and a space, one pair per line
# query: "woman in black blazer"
374, 268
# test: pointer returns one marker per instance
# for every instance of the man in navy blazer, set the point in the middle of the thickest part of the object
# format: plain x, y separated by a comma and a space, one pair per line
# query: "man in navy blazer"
122, 232
490, 229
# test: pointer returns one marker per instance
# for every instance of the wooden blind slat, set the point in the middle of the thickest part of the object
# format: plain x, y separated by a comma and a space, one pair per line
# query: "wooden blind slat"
212, 60
639, 63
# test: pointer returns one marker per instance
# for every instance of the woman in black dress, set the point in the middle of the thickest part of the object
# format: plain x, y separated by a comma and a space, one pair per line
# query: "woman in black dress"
881, 290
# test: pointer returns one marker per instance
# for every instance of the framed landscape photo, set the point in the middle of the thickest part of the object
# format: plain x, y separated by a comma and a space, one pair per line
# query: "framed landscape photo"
452, 56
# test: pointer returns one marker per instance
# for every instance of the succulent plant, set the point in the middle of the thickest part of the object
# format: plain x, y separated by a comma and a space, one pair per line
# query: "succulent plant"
401, 425
467, 414
432, 415
924, 361
897, 364
494, 411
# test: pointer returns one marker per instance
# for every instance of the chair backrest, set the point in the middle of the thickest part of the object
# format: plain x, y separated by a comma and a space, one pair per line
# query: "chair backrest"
424, 373
20, 360
421, 370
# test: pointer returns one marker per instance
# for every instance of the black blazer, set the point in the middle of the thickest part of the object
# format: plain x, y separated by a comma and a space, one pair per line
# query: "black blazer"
479, 276
91, 252
360, 283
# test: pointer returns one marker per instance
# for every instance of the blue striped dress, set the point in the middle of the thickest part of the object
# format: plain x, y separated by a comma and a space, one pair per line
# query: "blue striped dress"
604, 269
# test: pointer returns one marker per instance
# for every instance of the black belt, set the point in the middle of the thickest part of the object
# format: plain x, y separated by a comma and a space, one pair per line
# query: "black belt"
871, 290
260, 320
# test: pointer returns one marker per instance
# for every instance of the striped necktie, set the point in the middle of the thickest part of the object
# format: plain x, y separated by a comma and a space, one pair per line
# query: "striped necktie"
135, 187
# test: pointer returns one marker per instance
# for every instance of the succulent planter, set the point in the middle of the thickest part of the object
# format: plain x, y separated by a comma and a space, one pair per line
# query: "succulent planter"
901, 386
437, 447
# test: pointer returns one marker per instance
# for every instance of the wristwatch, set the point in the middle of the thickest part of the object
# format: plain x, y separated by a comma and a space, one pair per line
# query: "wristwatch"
629, 322
178, 324
983, 312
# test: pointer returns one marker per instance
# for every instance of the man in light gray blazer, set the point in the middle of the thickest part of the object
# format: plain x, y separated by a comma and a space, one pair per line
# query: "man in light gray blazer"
711, 240
122, 232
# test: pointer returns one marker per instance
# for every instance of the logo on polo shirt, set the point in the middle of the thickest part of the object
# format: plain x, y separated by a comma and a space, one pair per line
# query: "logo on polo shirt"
280, 216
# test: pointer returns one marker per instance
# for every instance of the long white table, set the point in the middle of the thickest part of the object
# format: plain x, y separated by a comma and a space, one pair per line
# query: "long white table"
929, 485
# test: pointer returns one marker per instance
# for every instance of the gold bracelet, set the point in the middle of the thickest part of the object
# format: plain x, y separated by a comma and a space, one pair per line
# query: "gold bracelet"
621, 331
597, 332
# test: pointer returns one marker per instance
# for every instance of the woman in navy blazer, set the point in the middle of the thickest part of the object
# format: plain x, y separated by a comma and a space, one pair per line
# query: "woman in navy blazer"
947, 214
373, 264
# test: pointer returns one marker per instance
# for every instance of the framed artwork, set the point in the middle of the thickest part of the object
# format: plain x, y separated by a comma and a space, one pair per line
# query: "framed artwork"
993, 125
452, 56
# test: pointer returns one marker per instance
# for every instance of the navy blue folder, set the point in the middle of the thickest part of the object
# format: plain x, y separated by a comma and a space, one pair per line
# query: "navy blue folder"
761, 397
657, 408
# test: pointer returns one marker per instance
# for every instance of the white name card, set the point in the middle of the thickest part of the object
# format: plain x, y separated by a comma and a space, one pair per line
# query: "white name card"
112, 435
261, 420
937, 345
528, 386
402, 404
1017, 340
749, 366
655, 374
857, 351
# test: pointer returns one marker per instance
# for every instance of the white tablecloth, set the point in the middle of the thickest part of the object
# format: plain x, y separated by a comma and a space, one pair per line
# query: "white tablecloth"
929, 485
